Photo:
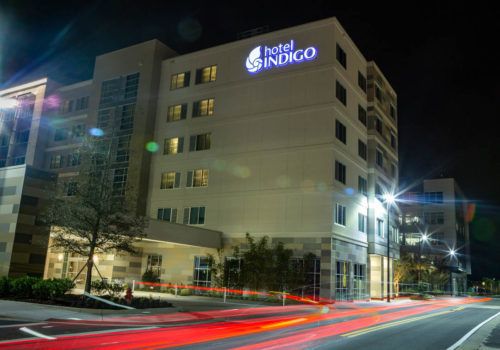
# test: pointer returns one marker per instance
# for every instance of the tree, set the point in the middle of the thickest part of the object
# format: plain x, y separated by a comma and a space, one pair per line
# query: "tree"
97, 218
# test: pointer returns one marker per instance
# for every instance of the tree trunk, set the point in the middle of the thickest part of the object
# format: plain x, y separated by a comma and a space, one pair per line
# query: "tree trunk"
88, 280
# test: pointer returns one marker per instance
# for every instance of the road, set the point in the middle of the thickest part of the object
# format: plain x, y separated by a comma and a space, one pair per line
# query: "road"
435, 324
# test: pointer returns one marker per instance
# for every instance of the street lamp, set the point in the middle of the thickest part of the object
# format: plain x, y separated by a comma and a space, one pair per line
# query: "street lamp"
452, 255
389, 199
423, 238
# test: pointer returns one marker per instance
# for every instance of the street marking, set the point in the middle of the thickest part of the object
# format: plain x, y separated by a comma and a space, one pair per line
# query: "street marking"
285, 323
396, 323
36, 334
471, 332
74, 318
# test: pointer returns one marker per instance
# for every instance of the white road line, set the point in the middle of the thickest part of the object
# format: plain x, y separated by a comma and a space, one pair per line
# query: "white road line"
74, 318
471, 332
36, 334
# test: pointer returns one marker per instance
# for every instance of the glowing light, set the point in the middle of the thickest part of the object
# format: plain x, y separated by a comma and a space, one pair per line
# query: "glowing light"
452, 252
278, 56
60, 257
424, 237
152, 146
8, 103
95, 258
389, 198
96, 132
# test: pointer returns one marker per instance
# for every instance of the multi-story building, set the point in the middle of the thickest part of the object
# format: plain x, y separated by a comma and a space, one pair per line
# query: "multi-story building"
434, 225
290, 134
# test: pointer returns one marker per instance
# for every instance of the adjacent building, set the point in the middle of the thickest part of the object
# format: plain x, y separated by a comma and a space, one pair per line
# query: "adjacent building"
290, 134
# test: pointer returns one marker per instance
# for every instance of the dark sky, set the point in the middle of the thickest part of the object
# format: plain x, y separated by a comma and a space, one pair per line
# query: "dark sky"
441, 60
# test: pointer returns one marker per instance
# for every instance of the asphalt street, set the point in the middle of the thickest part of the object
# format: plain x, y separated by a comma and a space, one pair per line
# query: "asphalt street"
434, 324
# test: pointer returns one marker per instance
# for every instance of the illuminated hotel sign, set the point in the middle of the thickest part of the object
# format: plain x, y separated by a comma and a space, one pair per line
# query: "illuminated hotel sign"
278, 56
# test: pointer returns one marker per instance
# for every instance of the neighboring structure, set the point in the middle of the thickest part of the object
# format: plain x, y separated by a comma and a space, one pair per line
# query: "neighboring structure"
439, 211
290, 134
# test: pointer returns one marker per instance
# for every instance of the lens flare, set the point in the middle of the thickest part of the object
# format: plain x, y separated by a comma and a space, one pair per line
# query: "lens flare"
349, 191
471, 211
96, 132
152, 147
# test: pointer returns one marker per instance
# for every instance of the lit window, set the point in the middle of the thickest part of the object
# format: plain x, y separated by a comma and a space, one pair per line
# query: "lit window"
177, 112
206, 74
180, 80
173, 145
56, 161
203, 108
170, 180
197, 178
339, 214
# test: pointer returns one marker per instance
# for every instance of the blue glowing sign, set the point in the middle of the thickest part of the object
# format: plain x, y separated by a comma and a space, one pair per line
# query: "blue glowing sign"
278, 56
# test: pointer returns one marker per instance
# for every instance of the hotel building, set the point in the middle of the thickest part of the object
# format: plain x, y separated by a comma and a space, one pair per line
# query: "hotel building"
290, 134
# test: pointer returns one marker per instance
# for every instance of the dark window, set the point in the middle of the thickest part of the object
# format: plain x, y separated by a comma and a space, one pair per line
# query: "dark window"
434, 197
201, 274
341, 56
393, 111
361, 81
339, 214
378, 190
340, 172
341, 93
194, 216
120, 181
78, 131
340, 131
393, 170
73, 159
379, 158
37, 259
378, 125
82, 103
361, 223
127, 117
22, 136
167, 214
362, 149
131, 85
70, 188
362, 187
199, 142
60, 134
434, 218
362, 115
378, 93
393, 140
23, 238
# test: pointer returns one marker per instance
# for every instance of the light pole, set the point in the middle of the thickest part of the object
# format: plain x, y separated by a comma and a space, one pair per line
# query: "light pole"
389, 199
452, 255
423, 238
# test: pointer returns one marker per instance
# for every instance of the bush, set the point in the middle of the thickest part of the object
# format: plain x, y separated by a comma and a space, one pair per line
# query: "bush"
5, 286
185, 292
149, 276
23, 287
111, 289
52, 288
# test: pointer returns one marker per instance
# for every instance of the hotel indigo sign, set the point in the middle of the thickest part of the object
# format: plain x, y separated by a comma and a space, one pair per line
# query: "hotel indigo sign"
278, 56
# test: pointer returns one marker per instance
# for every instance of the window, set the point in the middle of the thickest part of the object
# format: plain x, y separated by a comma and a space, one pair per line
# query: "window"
378, 93
393, 140
180, 80
82, 103
167, 214
434, 218
131, 85
194, 216
206, 74
359, 281
203, 108
173, 145
379, 158
361, 223
378, 190
340, 172
362, 149
127, 117
19, 160
70, 188
393, 111
362, 115
120, 181
170, 180
393, 234
434, 197
56, 161
341, 56
78, 131
37, 258
201, 274
437, 238
378, 125
199, 142
104, 118
154, 264
109, 90
22, 136
60, 134
177, 112
23, 238
73, 159
310, 269
380, 227
341, 93
361, 81
123, 149
4, 140
197, 178
342, 279
122, 155
339, 214
66, 107
362, 187
393, 170
340, 131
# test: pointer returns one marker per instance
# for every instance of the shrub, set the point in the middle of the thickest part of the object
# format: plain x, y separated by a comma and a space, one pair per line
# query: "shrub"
52, 288
149, 276
111, 289
185, 292
23, 287
5, 286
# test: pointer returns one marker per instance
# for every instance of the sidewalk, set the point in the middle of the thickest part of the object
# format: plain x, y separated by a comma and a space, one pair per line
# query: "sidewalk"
485, 338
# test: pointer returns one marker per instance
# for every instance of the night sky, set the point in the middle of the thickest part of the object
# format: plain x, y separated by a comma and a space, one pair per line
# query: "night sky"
440, 59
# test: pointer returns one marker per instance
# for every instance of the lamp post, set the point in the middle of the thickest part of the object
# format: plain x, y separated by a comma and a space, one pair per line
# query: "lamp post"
452, 255
389, 199
423, 238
